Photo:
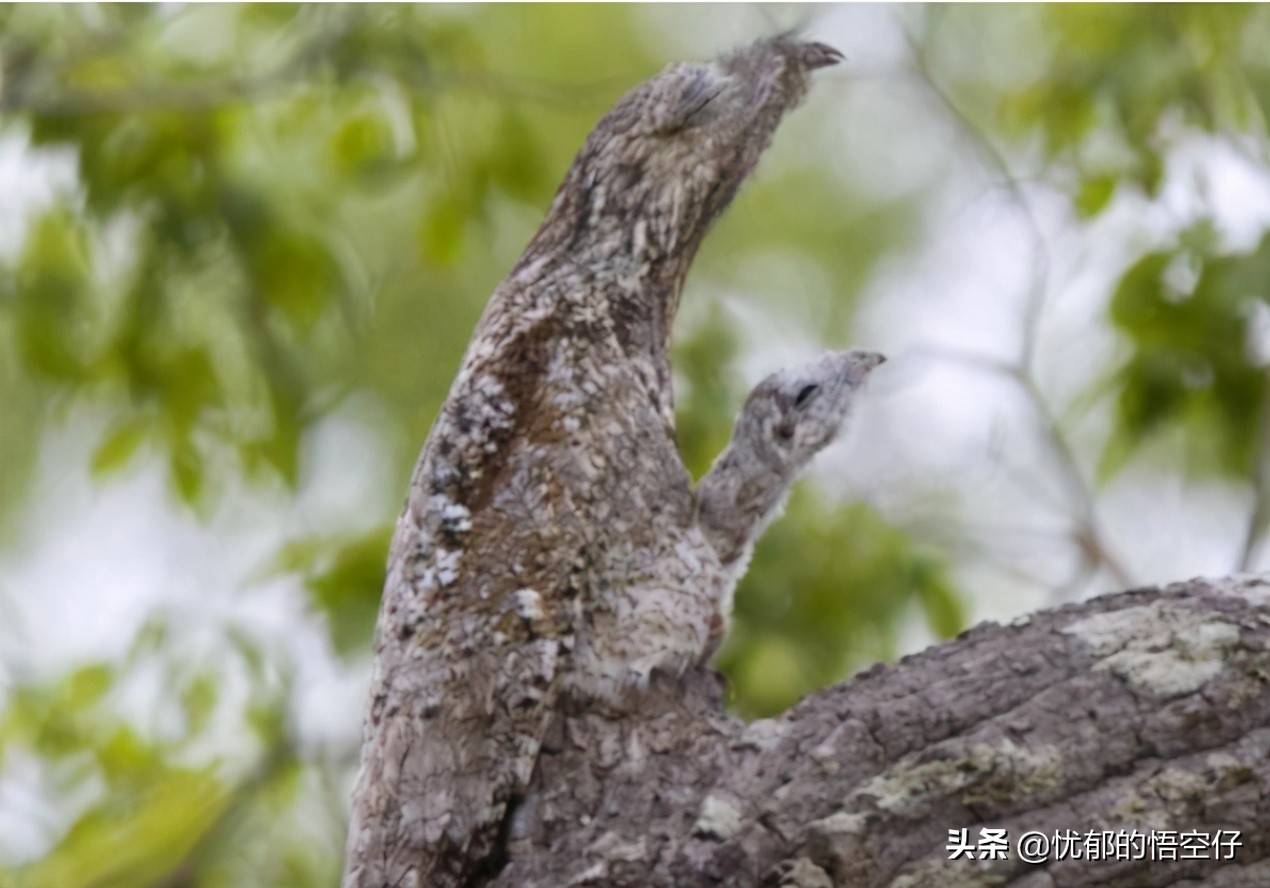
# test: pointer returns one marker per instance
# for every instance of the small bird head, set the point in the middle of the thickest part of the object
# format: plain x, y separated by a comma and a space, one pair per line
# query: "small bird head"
788, 418
793, 414
671, 154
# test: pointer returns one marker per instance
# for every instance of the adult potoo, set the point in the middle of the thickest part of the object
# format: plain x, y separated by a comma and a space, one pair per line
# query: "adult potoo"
548, 543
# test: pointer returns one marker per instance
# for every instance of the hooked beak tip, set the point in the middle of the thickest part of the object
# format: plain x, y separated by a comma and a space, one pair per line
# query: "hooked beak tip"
820, 55
865, 367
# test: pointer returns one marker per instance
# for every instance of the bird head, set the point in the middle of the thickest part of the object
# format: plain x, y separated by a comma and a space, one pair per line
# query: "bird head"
671, 154
794, 413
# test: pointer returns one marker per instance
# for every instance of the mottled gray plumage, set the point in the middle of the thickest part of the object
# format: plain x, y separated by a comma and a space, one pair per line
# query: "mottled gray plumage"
787, 419
549, 544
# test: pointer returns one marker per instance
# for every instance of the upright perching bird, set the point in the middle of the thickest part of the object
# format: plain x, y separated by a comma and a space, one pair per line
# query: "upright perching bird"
548, 545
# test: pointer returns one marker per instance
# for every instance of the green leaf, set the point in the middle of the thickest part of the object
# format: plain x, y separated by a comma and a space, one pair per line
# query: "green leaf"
295, 273
118, 446
443, 229
51, 285
361, 145
518, 166
1188, 368
185, 465
198, 700
347, 588
944, 609
119, 844
127, 760
827, 587
86, 685
267, 722
345, 577
1094, 195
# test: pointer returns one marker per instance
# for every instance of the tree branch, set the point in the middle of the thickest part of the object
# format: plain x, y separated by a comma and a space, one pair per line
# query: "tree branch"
1144, 710
214, 91
1087, 535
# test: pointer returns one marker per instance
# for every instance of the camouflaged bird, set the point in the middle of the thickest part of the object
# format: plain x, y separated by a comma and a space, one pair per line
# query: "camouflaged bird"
787, 419
548, 545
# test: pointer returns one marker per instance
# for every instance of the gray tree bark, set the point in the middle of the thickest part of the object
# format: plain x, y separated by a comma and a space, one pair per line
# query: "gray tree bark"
1143, 710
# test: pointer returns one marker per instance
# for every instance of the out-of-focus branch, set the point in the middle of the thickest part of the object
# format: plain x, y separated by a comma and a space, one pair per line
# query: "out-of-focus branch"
994, 159
16, 97
215, 93
1087, 536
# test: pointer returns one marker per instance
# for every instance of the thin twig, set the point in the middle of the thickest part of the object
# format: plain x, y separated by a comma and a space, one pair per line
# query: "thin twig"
1086, 534
210, 94
993, 157
193, 96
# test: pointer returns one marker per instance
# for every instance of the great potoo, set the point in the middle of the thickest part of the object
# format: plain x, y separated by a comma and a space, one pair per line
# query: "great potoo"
548, 545
787, 419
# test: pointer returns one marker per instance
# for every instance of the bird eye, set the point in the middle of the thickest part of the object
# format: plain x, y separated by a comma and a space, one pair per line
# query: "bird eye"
804, 394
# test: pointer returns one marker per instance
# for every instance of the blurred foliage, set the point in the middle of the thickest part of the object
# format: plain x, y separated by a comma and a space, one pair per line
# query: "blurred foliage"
278, 210
145, 813
1120, 88
1115, 75
824, 594
1187, 313
344, 576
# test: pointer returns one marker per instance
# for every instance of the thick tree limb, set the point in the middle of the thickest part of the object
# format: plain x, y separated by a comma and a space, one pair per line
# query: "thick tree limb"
1142, 710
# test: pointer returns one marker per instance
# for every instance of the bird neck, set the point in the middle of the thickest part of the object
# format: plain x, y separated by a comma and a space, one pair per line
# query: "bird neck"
740, 495
602, 291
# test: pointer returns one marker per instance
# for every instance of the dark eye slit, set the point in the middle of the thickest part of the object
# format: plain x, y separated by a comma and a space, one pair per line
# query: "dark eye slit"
804, 393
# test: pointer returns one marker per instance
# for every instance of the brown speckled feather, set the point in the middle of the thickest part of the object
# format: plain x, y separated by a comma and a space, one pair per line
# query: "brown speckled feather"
548, 545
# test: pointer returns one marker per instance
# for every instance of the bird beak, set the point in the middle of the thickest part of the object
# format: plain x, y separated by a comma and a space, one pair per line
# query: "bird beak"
863, 364
819, 55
